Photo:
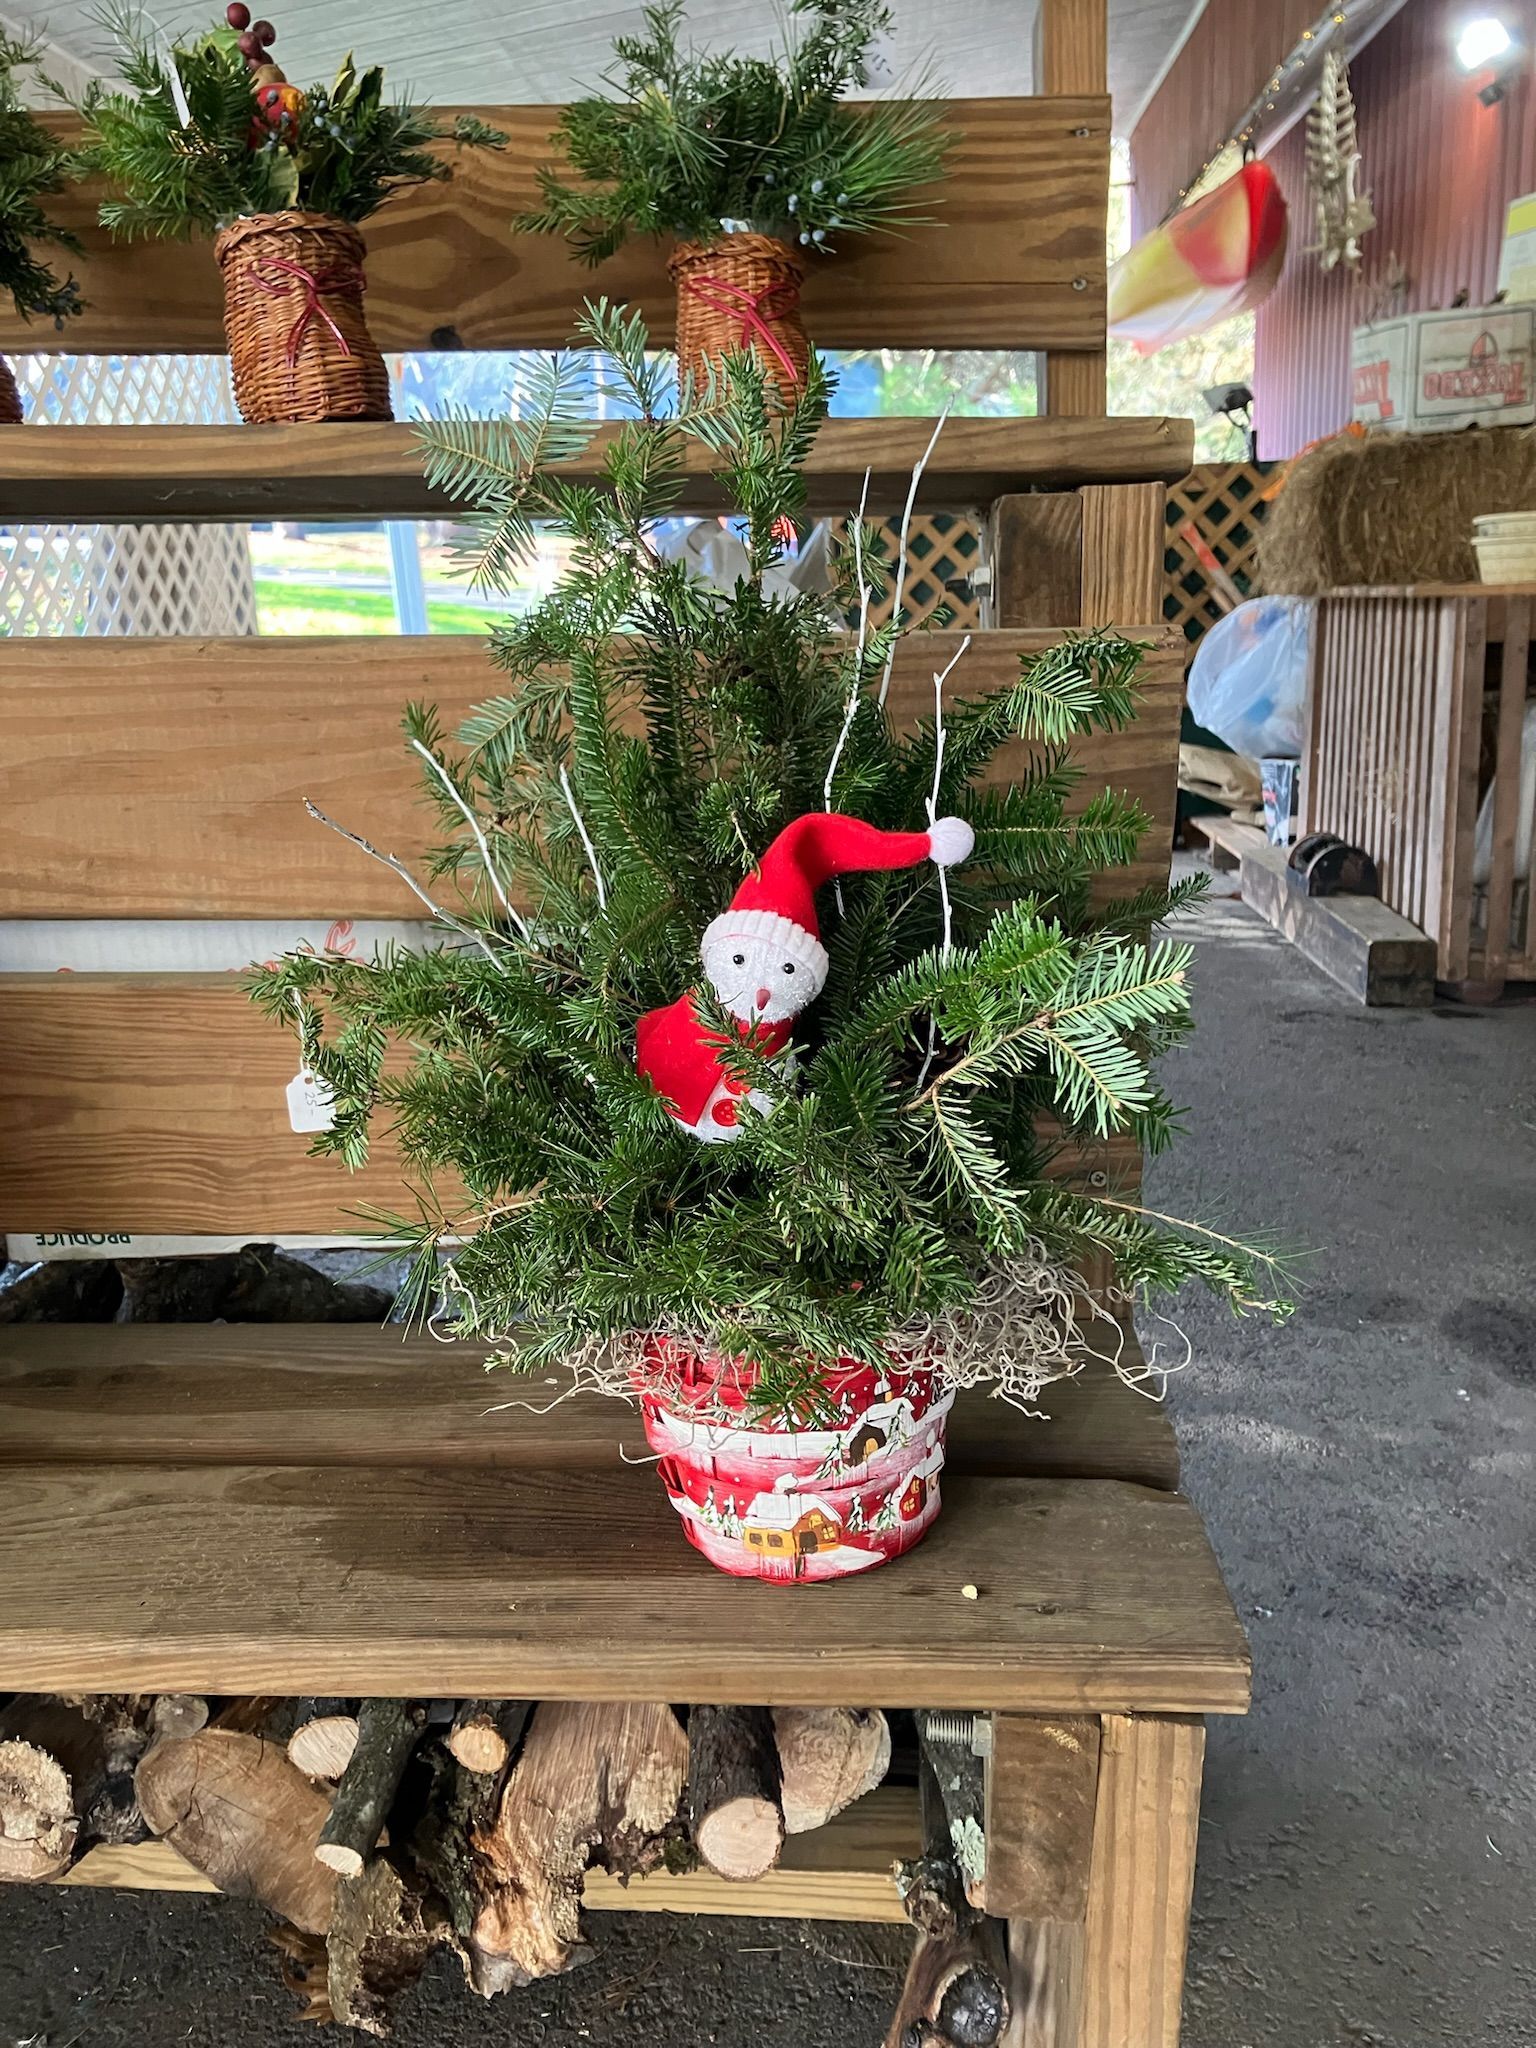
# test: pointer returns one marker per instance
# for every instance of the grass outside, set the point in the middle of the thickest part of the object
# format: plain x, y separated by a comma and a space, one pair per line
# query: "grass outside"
283, 606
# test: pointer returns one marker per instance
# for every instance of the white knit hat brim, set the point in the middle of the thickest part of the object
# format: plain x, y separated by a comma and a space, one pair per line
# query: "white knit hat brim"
792, 939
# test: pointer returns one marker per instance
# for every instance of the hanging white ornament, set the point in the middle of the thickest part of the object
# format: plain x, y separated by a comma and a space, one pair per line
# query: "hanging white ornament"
1344, 213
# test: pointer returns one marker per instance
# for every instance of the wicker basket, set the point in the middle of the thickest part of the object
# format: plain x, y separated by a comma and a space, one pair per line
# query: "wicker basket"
10, 397
742, 292
299, 346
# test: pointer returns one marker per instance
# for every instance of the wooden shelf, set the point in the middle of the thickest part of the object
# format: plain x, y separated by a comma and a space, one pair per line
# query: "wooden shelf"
562, 1576
839, 1872
143, 474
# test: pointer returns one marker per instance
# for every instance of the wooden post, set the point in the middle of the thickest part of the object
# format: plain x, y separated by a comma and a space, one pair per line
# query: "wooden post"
1035, 546
1045, 1983
1123, 574
1042, 1781
1071, 56
1506, 787
1142, 1874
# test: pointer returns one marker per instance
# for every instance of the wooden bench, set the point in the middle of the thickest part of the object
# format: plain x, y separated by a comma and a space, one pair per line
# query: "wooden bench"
233, 1509
333, 1511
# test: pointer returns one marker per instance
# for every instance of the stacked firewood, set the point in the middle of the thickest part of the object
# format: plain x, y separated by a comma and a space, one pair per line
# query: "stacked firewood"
380, 1829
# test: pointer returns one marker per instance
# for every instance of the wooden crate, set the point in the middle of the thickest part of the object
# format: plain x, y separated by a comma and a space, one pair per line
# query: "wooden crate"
1417, 704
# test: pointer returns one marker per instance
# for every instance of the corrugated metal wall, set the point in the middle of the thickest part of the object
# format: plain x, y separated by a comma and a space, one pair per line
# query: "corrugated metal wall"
1441, 169
1231, 51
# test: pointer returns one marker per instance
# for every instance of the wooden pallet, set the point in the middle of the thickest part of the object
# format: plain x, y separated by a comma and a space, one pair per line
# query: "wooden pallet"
1417, 701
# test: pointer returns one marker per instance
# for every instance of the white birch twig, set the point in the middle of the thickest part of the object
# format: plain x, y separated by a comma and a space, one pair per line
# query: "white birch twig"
514, 917
398, 867
901, 553
580, 823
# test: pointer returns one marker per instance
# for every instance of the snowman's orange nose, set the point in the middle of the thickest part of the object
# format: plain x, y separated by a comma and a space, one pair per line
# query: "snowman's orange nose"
764, 997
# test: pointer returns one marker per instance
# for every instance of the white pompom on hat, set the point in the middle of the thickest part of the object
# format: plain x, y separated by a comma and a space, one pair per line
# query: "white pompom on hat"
777, 901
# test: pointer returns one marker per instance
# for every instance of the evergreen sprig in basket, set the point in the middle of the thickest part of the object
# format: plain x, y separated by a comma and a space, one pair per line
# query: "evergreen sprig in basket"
727, 1072
757, 166
214, 140
32, 169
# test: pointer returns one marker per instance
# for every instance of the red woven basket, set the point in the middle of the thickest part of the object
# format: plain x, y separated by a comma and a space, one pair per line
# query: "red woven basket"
299, 345
740, 293
10, 397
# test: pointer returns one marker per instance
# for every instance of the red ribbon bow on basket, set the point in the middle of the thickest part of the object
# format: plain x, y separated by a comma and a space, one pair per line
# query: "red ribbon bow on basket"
755, 310
338, 277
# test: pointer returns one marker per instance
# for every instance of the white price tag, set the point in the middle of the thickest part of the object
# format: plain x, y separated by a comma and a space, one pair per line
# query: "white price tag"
880, 63
310, 1107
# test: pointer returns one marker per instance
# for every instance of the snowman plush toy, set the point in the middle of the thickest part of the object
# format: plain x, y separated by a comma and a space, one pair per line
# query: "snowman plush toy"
764, 960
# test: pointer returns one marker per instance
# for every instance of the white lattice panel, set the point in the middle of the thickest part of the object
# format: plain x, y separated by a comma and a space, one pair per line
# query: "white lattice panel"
126, 579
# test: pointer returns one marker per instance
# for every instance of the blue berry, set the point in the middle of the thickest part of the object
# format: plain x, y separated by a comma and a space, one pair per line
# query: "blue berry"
793, 202
818, 184
804, 236
819, 236
842, 198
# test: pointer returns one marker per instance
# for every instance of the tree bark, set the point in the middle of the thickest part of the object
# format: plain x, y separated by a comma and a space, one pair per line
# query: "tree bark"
377, 1946
235, 1807
828, 1757
459, 1805
956, 1993
961, 1780
485, 1734
733, 1790
387, 1732
38, 1828
930, 1885
596, 1781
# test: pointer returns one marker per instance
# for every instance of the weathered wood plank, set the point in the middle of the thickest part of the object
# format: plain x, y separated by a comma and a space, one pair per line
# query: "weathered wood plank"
841, 1872
374, 470
1123, 574
574, 1584
156, 1103
1143, 1874
249, 1394
188, 762
1018, 218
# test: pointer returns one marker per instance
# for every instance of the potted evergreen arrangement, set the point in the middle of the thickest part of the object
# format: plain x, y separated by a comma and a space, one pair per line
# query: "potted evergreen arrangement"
210, 138
730, 1082
32, 169
754, 166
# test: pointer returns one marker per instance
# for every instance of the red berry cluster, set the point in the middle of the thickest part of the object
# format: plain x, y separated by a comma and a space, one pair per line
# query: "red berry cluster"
256, 37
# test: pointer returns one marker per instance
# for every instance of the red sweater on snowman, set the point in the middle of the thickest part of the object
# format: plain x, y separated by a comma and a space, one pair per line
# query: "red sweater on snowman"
764, 959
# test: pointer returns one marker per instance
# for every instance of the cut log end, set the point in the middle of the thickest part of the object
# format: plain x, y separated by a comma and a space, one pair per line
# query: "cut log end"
741, 1839
733, 1790
340, 1857
37, 1820
323, 1747
484, 1734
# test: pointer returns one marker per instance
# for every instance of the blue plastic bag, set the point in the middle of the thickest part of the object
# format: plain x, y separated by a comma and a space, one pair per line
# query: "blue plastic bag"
1248, 680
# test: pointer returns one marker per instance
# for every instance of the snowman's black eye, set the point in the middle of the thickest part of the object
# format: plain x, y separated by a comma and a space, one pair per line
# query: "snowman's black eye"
789, 966
738, 959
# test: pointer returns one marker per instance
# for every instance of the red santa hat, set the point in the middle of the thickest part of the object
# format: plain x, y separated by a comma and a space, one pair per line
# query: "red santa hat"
777, 901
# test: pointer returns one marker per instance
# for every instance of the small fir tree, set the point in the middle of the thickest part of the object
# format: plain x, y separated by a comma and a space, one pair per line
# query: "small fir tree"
209, 131
651, 738
695, 146
32, 169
